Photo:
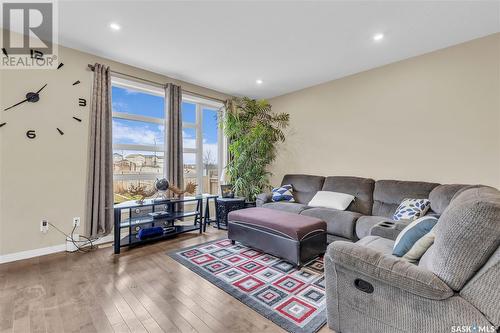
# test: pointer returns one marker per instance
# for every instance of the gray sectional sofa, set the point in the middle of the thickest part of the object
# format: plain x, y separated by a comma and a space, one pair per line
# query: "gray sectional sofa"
455, 287
372, 210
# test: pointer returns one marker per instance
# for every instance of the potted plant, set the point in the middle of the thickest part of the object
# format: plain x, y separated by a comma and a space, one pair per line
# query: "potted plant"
253, 133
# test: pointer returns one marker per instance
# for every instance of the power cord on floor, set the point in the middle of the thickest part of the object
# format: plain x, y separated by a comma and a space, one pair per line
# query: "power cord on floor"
80, 247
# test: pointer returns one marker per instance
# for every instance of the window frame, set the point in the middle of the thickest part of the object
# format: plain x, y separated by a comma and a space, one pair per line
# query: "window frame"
148, 89
200, 103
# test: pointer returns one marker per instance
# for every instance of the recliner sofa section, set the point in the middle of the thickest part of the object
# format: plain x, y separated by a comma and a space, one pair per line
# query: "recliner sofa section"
455, 283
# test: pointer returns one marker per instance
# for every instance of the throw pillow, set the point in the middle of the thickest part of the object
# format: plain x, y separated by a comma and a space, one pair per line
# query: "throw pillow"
420, 247
283, 193
333, 200
411, 209
412, 233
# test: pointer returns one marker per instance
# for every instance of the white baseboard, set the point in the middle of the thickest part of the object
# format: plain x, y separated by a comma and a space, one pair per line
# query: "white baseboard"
4, 258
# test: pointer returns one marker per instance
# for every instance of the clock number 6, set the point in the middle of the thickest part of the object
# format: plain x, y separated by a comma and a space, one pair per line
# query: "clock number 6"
31, 134
82, 102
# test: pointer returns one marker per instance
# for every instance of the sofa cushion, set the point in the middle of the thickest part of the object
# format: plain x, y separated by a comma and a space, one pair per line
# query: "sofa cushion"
304, 186
360, 188
412, 233
377, 243
294, 226
338, 222
381, 269
411, 209
283, 193
333, 200
420, 247
332, 238
365, 223
467, 234
441, 196
291, 207
388, 194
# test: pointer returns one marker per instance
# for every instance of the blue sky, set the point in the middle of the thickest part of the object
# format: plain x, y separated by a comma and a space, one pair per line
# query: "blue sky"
133, 132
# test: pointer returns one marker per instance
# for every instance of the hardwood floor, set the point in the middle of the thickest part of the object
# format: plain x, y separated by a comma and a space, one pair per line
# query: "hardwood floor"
140, 290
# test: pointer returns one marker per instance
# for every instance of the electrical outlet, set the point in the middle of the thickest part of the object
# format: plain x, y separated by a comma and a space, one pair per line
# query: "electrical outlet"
44, 226
76, 221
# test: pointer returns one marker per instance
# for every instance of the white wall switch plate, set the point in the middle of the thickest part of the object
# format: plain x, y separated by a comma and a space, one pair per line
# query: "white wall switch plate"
44, 226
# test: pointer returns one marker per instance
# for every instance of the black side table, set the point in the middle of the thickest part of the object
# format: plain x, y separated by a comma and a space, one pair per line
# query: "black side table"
225, 205
206, 215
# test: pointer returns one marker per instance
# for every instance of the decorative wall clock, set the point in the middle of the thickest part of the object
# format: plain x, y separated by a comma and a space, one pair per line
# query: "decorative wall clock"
34, 96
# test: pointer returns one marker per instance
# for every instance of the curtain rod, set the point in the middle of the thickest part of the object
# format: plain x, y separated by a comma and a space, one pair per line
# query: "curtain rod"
91, 67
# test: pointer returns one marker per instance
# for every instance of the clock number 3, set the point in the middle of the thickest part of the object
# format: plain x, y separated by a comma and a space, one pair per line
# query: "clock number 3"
82, 102
31, 134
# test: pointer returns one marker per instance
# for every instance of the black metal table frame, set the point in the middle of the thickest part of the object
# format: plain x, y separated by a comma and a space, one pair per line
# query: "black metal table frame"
206, 213
199, 218
225, 205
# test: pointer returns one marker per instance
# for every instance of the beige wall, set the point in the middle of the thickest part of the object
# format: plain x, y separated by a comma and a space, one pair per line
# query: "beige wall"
45, 177
435, 117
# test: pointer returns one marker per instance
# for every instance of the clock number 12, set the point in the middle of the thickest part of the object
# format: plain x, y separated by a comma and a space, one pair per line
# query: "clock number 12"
36, 54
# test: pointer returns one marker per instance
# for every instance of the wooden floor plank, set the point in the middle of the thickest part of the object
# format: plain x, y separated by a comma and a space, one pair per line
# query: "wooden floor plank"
193, 314
7, 297
140, 290
234, 317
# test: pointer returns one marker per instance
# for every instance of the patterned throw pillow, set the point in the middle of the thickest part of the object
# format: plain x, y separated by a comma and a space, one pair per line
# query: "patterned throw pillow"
283, 193
412, 233
420, 247
411, 209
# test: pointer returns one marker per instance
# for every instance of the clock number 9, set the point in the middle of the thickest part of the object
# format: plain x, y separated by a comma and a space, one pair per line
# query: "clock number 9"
31, 134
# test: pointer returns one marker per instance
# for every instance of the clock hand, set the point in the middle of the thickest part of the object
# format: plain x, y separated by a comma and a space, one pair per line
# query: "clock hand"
41, 88
30, 97
16, 104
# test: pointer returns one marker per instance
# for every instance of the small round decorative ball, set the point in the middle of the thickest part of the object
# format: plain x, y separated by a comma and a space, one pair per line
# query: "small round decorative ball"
162, 184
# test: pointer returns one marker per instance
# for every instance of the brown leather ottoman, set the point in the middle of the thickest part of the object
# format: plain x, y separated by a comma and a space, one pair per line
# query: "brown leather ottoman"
295, 238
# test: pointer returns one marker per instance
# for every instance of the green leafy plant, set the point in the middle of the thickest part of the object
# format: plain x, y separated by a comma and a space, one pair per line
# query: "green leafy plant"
253, 132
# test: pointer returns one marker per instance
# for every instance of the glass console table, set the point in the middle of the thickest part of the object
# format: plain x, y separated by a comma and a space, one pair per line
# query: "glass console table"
135, 216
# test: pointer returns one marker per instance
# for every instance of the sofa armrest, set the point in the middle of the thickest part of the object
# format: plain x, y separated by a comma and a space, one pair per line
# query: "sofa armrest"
262, 198
388, 229
388, 269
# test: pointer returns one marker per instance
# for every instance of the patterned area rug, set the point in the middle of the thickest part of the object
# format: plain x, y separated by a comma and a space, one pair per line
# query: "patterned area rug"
293, 299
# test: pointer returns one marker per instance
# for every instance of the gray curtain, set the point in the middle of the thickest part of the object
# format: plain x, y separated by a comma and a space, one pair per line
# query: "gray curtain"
175, 163
99, 201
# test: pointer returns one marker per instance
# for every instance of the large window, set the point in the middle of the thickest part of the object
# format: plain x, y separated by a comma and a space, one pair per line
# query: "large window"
203, 142
139, 124
138, 137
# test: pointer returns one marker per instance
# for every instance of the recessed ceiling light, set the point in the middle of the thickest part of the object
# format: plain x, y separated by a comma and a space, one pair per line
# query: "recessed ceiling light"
259, 81
114, 26
378, 37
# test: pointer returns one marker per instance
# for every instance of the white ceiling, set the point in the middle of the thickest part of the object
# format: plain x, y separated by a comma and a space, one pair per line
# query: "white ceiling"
289, 45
